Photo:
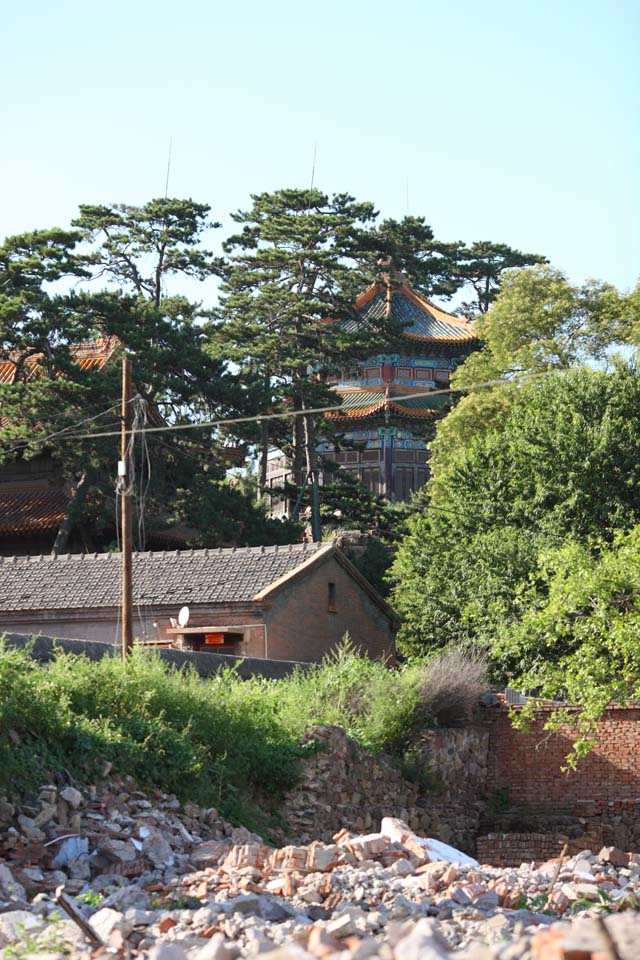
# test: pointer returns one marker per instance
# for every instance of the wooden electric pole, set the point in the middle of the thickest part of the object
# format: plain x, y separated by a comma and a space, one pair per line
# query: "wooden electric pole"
125, 479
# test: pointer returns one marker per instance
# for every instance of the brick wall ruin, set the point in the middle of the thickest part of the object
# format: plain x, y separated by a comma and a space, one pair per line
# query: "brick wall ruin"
532, 806
486, 788
346, 786
529, 763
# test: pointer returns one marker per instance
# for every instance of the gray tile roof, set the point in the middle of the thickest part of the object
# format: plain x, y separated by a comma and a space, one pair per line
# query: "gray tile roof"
179, 577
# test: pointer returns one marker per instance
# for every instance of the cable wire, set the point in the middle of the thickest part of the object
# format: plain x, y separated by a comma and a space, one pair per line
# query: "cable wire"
315, 410
58, 433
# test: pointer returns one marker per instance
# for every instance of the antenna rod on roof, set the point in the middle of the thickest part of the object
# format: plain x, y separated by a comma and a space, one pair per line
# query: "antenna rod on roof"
166, 185
126, 479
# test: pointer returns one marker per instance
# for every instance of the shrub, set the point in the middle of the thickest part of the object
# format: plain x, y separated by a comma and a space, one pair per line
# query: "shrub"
375, 705
452, 684
219, 741
214, 741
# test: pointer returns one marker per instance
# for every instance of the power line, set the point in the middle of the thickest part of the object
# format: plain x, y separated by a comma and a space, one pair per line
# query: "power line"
59, 433
205, 424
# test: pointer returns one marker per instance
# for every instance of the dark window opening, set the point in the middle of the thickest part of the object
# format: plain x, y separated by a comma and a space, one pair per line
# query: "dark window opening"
213, 641
404, 484
331, 606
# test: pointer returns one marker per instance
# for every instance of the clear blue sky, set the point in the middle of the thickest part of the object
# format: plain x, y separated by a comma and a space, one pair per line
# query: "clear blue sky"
510, 121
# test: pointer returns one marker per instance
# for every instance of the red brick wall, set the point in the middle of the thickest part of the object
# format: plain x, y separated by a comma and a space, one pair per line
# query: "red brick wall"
528, 765
512, 849
301, 626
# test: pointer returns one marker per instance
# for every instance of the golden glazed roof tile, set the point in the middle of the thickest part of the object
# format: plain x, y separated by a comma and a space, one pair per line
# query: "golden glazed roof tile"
31, 511
90, 355
393, 298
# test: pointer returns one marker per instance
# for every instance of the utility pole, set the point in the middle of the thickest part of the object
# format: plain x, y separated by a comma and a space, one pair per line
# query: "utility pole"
125, 480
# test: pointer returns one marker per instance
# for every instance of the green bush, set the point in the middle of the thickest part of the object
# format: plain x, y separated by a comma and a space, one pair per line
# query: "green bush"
375, 705
203, 740
220, 741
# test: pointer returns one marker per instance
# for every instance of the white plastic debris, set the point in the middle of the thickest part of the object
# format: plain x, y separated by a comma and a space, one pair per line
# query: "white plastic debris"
399, 832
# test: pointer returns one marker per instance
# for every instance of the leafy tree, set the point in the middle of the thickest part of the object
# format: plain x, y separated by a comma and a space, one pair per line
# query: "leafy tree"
228, 515
439, 268
429, 263
136, 251
139, 248
631, 323
139, 251
295, 265
49, 392
349, 504
563, 464
538, 323
578, 638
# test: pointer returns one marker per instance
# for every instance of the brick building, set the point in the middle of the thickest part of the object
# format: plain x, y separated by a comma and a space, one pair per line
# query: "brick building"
291, 602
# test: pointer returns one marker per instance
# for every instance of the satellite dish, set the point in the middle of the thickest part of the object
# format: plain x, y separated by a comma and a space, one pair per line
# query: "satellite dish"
183, 616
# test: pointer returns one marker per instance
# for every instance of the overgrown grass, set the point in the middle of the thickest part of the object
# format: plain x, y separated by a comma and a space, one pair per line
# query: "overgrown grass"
213, 741
217, 741
377, 706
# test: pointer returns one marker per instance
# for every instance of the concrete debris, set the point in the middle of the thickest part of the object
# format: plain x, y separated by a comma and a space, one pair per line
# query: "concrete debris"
146, 877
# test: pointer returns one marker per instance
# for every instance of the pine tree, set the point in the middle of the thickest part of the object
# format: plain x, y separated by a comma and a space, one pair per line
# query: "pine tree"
292, 273
133, 252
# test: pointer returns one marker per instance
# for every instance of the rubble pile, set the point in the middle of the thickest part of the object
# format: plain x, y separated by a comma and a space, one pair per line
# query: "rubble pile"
107, 871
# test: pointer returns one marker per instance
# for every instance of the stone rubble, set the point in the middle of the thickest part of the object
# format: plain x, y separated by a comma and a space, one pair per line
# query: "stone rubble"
161, 880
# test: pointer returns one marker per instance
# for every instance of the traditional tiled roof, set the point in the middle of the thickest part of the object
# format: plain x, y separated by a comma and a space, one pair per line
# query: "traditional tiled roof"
395, 299
362, 404
91, 355
76, 581
31, 511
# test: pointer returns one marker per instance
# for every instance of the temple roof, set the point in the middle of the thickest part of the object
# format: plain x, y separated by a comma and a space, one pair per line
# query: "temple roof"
368, 403
90, 355
31, 511
394, 298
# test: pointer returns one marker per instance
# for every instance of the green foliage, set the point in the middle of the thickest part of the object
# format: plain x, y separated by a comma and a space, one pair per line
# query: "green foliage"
375, 705
220, 741
412, 246
223, 514
485, 266
346, 502
578, 638
137, 252
90, 898
374, 565
439, 269
539, 322
140, 247
532, 548
212, 741
292, 270
563, 464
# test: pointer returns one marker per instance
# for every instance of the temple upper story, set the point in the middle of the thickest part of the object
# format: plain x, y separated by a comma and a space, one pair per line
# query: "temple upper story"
431, 344
391, 401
